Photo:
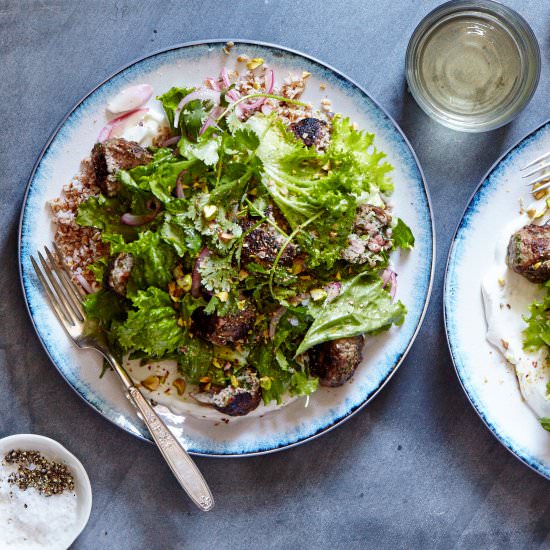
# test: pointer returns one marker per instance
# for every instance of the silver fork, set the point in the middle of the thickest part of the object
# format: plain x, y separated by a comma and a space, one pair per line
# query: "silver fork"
66, 300
542, 180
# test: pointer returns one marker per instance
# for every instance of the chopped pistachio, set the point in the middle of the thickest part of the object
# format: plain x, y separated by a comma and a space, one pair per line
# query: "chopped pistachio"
216, 363
179, 384
210, 211
234, 381
186, 282
318, 294
226, 237
222, 296
306, 74
254, 63
151, 382
501, 281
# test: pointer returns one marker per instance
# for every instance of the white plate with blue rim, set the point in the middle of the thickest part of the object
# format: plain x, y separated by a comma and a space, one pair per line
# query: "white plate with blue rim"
477, 252
295, 423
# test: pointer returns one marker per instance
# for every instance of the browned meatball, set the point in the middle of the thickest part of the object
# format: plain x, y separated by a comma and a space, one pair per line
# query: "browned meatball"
224, 330
241, 400
118, 273
113, 155
529, 252
310, 130
262, 245
335, 362
370, 236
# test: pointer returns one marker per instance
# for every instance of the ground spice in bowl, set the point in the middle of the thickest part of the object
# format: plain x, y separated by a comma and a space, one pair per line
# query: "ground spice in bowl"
33, 470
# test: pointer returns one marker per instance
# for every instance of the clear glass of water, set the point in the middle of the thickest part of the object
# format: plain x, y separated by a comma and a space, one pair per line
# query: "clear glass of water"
473, 65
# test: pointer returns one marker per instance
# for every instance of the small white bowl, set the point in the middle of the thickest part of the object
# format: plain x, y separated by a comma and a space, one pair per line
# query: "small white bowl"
52, 450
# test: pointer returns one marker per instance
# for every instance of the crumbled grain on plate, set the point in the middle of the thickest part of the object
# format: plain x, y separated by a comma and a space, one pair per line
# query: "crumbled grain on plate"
80, 246
228, 47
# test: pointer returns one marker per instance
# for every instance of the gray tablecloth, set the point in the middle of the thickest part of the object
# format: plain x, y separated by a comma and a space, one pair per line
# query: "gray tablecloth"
416, 468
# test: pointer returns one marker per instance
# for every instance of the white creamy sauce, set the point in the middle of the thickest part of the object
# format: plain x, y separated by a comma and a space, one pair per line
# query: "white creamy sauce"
167, 394
506, 297
144, 131
31, 520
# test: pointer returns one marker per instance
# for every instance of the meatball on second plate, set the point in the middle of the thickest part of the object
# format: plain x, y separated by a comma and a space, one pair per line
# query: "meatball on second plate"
335, 362
529, 252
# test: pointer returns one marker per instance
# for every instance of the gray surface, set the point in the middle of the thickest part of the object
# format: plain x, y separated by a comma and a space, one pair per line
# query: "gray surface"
417, 468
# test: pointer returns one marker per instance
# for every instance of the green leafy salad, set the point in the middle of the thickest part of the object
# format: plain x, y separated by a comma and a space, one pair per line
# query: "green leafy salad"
536, 335
253, 250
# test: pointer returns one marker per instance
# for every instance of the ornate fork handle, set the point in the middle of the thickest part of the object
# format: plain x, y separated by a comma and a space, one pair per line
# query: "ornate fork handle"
181, 464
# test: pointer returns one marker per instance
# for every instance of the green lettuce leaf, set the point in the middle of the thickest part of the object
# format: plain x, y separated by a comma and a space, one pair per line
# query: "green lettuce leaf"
104, 306
545, 423
537, 333
320, 191
363, 306
153, 327
155, 259
402, 235
170, 101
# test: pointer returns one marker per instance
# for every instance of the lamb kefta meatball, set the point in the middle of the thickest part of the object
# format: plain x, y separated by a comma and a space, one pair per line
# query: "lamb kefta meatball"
113, 155
370, 236
335, 362
262, 245
529, 252
224, 330
118, 273
241, 400
309, 130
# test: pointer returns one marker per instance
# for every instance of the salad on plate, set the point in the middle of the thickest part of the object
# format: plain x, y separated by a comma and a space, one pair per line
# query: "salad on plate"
236, 246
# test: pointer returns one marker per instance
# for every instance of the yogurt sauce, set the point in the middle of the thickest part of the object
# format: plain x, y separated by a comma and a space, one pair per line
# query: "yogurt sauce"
506, 297
31, 520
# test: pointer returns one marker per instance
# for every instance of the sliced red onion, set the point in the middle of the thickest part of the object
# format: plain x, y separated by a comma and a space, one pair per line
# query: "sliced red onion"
135, 220
225, 77
196, 277
279, 312
84, 283
179, 185
269, 83
117, 125
211, 119
170, 141
203, 95
234, 95
390, 277
130, 98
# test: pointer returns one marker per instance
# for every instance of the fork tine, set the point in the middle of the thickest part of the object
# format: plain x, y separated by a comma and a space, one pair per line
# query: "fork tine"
74, 286
72, 300
539, 169
56, 306
541, 187
539, 159
57, 292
